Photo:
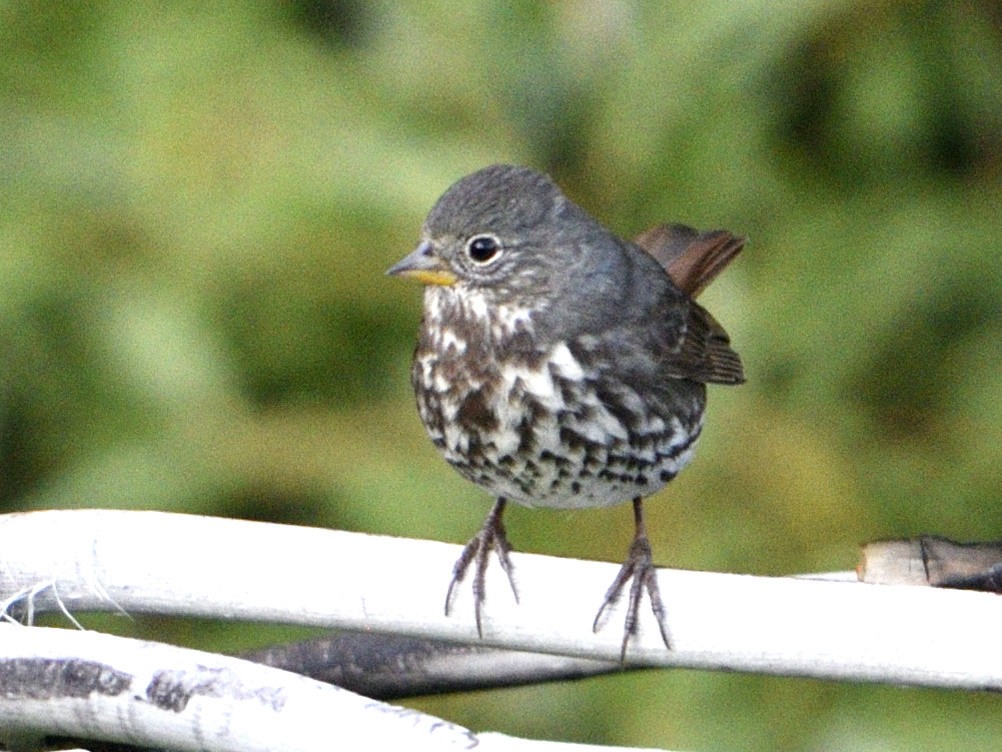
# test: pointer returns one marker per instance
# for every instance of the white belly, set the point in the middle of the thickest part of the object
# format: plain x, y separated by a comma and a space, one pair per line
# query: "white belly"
544, 437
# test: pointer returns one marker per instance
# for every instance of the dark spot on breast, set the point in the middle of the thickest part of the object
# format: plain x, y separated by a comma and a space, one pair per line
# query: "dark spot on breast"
573, 440
615, 404
561, 462
678, 450
569, 391
521, 349
526, 436
475, 415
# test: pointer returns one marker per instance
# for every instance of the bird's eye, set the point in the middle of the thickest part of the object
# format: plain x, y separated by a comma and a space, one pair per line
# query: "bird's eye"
483, 249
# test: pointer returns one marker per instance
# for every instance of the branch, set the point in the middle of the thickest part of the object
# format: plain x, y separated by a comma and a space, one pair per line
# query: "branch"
170, 564
79, 685
91, 685
391, 667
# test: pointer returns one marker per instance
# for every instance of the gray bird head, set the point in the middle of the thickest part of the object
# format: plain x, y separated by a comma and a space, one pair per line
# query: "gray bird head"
508, 231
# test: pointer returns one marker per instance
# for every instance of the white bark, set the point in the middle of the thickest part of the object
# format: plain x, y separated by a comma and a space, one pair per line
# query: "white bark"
90, 685
148, 562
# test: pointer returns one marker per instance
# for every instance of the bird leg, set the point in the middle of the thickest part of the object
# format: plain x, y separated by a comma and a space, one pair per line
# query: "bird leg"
639, 567
491, 537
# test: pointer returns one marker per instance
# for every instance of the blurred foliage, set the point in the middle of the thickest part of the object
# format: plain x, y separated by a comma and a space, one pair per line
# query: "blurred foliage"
197, 202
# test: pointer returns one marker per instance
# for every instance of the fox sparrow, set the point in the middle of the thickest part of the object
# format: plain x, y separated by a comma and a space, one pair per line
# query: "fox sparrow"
558, 365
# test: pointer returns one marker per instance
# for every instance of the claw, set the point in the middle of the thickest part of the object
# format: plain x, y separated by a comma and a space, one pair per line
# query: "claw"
491, 537
638, 567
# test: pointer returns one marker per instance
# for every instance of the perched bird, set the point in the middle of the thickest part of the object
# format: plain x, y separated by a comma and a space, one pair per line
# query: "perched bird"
558, 365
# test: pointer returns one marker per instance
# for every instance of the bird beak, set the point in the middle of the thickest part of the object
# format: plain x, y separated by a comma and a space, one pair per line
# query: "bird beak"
423, 265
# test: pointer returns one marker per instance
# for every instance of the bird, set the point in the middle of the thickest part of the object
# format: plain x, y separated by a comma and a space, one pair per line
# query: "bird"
560, 366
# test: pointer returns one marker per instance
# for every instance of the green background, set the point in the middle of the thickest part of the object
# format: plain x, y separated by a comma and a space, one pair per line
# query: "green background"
198, 202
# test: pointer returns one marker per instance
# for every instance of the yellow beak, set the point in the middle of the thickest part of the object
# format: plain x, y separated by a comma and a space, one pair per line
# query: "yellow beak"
423, 265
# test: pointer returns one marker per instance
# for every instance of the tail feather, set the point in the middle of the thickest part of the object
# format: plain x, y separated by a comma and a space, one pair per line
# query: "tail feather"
692, 258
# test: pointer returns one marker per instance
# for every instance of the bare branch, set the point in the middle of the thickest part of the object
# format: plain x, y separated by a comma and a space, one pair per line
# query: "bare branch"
171, 564
95, 686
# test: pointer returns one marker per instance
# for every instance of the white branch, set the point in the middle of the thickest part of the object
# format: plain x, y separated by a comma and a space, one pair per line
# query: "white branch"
176, 564
95, 686
86, 684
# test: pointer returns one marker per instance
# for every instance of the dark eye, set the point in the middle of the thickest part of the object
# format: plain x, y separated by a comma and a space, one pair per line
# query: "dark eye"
483, 248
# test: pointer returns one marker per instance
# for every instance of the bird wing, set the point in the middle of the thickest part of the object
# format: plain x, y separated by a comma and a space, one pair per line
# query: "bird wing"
701, 349
703, 353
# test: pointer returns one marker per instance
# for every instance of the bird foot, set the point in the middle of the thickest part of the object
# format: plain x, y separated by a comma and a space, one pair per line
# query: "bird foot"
477, 551
638, 567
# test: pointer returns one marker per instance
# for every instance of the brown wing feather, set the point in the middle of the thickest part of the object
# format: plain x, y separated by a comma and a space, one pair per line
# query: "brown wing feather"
693, 259
705, 353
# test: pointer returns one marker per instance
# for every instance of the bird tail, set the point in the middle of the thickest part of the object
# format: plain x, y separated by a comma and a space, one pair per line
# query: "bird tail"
692, 258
